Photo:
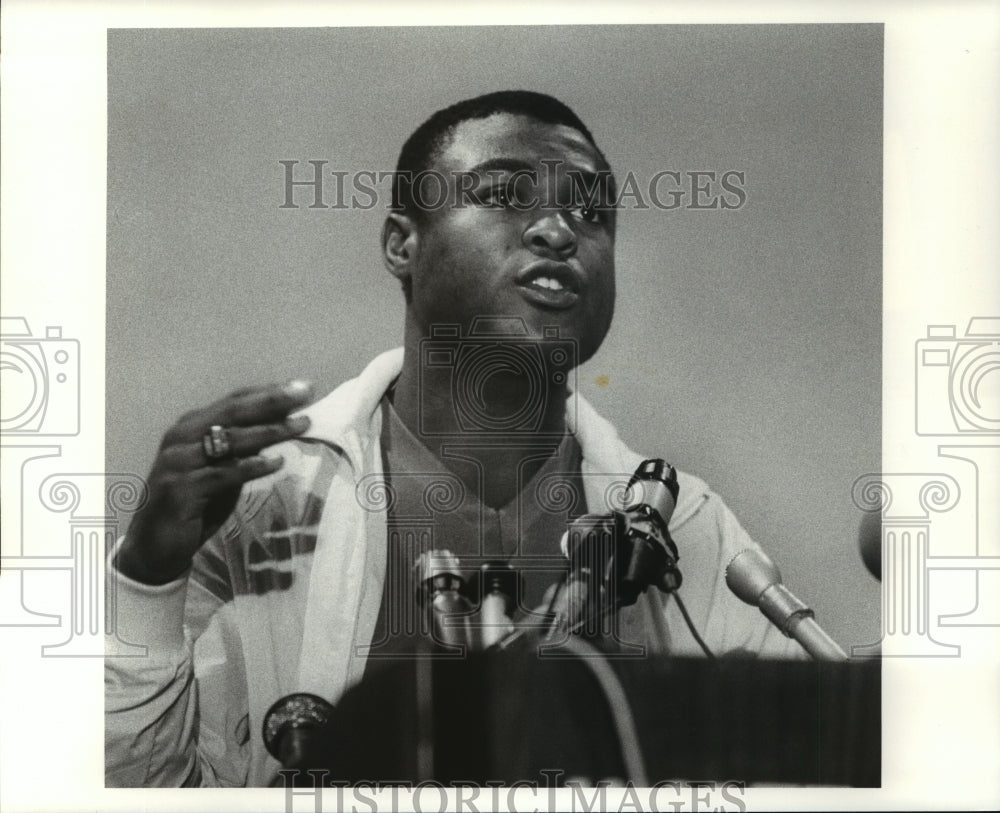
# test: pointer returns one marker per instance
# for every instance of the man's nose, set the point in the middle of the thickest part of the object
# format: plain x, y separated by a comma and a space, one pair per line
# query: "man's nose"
550, 232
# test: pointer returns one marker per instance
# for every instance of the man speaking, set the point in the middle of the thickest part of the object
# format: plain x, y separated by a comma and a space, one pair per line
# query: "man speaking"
274, 552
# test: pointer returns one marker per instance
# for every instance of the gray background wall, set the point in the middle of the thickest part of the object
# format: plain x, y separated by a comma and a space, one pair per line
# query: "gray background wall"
746, 346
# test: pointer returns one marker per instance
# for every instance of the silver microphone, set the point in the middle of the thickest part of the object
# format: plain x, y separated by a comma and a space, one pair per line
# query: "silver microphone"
440, 582
755, 579
499, 591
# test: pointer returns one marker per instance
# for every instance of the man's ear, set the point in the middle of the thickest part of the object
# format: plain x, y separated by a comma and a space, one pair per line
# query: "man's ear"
399, 246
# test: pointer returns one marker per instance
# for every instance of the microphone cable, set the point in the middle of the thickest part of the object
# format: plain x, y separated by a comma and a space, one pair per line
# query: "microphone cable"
618, 705
690, 625
606, 609
596, 616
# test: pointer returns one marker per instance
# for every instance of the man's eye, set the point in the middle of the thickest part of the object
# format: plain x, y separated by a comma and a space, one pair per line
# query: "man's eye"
498, 196
588, 214
513, 194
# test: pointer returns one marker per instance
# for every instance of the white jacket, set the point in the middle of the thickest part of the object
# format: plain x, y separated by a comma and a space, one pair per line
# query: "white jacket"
282, 598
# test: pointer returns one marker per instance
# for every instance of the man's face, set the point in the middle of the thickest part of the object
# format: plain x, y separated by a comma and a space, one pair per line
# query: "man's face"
513, 246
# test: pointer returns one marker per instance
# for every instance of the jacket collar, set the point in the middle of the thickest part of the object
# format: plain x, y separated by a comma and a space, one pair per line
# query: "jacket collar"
350, 419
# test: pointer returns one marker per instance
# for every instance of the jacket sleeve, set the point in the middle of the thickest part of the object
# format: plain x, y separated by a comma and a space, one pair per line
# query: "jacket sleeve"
165, 725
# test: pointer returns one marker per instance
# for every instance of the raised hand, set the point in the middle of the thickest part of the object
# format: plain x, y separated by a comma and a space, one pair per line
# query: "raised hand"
203, 462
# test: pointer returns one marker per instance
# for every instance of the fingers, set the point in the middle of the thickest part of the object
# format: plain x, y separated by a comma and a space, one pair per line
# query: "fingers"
246, 441
268, 404
213, 480
184, 509
191, 495
242, 408
243, 443
188, 493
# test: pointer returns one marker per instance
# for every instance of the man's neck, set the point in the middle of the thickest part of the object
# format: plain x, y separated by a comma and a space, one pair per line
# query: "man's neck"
511, 424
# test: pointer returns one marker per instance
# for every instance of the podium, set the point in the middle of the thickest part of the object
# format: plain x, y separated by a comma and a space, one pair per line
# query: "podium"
516, 716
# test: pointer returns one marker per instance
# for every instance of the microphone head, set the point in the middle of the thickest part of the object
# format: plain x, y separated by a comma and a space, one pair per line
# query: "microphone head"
496, 577
750, 573
437, 563
437, 570
654, 485
292, 712
870, 543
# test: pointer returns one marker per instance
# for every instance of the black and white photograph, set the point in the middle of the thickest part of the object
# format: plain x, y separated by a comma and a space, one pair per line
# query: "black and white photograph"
703, 265
498, 415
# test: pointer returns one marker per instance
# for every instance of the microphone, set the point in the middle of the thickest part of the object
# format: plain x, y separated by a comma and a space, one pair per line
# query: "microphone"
870, 542
440, 583
652, 493
614, 557
589, 544
755, 579
290, 725
499, 592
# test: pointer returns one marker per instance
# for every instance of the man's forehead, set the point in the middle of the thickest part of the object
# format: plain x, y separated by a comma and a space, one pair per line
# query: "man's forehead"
518, 138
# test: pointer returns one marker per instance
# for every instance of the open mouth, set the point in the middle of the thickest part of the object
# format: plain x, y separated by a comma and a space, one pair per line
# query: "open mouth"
550, 284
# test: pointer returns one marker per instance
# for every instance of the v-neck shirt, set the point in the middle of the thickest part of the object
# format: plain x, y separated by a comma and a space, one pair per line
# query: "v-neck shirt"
430, 507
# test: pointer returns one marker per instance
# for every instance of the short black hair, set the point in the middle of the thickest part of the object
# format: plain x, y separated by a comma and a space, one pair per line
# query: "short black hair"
425, 143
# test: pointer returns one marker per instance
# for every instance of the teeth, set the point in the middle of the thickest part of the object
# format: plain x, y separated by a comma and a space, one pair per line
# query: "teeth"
548, 282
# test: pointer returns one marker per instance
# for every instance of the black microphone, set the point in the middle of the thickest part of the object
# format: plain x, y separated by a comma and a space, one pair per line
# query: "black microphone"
290, 726
755, 579
589, 544
652, 556
614, 557
440, 583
